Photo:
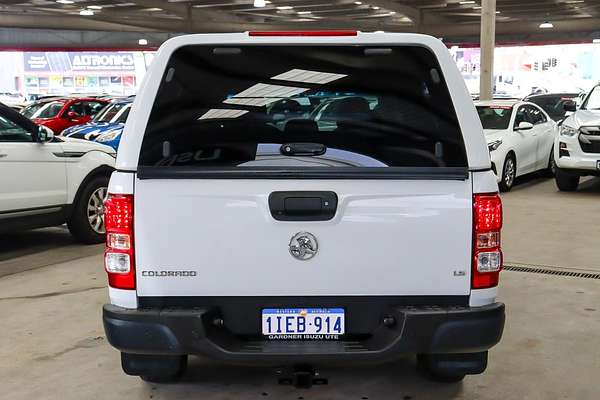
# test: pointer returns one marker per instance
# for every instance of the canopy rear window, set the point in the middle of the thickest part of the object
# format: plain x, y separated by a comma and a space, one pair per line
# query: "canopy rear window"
302, 107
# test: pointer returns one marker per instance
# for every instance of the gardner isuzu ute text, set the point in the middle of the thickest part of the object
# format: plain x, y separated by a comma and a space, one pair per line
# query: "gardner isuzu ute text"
301, 199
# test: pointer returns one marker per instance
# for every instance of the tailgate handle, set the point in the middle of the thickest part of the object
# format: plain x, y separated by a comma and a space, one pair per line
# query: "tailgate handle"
303, 205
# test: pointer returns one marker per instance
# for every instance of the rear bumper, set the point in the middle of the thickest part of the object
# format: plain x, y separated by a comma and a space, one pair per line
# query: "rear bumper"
432, 330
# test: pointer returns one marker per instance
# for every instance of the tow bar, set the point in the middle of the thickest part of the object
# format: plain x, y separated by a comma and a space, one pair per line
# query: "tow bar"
301, 376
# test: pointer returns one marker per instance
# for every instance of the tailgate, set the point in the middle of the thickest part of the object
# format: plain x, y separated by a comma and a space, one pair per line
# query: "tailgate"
214, 237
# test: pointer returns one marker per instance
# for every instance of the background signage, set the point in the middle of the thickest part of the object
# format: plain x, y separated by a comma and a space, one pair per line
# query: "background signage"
78, 61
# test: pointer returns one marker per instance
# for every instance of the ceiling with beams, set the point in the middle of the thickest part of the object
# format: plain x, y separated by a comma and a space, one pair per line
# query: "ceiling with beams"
451, 19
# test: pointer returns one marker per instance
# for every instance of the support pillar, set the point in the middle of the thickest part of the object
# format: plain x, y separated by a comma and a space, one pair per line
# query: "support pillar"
487, 44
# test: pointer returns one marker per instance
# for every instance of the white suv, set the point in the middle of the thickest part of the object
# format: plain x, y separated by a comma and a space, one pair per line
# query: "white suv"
577, 146
254, 234
47, 180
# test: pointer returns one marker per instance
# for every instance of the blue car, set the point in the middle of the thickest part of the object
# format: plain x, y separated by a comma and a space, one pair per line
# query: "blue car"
106, 127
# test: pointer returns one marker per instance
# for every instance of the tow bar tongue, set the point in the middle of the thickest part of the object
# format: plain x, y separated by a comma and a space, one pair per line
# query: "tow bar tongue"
300, 376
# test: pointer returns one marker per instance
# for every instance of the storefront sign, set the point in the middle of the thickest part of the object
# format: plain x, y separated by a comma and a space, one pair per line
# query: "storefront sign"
36, 62
102, 61
78, 61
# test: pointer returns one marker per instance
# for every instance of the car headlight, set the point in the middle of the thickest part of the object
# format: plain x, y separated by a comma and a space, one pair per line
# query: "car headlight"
107, 137
494, 145
568, 131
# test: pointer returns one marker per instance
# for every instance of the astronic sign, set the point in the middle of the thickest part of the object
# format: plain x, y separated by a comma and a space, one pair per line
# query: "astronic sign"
82, 61
101, 61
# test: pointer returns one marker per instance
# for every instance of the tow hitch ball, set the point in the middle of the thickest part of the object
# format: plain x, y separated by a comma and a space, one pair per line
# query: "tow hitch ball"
300, 376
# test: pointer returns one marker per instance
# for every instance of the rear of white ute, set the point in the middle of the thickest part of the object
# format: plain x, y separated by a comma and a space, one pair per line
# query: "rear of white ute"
303, 199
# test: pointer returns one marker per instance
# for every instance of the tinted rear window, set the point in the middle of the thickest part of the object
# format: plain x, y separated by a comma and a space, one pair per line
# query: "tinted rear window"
494, 117
554, 105
298, 107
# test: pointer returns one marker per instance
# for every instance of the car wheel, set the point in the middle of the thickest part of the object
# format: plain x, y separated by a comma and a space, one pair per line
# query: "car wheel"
566, 182
509, 173
87, 218
550, 170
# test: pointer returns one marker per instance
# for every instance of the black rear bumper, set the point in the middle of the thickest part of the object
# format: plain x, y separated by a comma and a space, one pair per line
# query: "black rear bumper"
427, 330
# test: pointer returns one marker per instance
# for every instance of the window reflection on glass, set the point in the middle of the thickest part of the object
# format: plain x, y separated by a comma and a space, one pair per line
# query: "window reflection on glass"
365, 107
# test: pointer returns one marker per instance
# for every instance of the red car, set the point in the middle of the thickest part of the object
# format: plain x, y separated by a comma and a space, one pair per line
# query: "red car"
60, 113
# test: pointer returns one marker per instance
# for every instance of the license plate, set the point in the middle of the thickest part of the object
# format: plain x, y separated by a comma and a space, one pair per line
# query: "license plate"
303, 323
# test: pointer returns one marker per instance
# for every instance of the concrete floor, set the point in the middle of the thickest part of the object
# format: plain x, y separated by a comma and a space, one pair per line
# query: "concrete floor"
53, 345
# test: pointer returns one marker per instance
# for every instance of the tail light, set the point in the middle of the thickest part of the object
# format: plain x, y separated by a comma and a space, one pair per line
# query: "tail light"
119, 256
487, 252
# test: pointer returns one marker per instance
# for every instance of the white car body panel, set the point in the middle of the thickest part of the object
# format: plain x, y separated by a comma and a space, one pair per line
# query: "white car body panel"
123, 298
77, 169
31, 176
37, 175
379, 231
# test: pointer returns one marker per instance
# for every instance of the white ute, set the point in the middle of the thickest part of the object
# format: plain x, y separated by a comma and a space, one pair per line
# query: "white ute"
47, 180
299, 199
577, 147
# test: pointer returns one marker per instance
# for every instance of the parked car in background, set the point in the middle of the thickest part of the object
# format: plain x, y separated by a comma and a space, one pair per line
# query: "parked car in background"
577, 146
107, 126
47, 180
554, 103
59, 113
520, 137
16, 101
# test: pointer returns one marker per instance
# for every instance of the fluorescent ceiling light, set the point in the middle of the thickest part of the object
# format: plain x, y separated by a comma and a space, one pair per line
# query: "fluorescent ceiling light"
95, 7
86, 13
303, 75
284, 7
260, 3
358, 3
262, 94
65, 1
143, 42
375, 8
497, 12
467, 2
304, 12
220, 113
546, 25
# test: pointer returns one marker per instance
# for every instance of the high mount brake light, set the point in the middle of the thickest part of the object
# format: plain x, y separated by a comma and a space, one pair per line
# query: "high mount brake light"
487, 252
119, 256
303, 33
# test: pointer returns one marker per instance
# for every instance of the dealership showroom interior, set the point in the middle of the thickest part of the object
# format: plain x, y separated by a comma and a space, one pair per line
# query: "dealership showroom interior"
300, 199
